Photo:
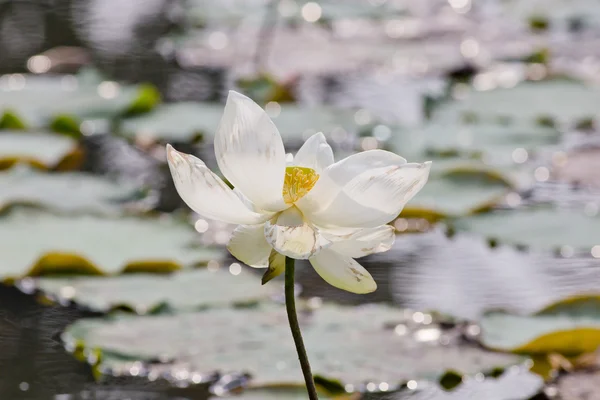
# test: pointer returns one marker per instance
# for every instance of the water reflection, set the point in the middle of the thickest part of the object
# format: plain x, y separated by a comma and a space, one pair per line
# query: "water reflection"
462, 276
33, 360
36, 366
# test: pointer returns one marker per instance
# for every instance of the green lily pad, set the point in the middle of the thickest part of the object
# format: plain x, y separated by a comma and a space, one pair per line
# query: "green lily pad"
281, 392
66, 124
65, 192
543, 228
448, 141
179, 122
148, 97
459, 192
298, 123
43, 243
40, 150
350, 344
570, 327
185, 122
37, 99
527, 103
264, 88
145, 292
444, 146
515, 383
10, 121
495, 143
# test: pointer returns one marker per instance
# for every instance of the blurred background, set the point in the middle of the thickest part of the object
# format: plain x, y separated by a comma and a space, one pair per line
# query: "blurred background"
113, 289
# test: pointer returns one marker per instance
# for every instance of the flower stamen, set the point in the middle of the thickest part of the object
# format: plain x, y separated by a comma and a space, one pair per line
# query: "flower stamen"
298, 182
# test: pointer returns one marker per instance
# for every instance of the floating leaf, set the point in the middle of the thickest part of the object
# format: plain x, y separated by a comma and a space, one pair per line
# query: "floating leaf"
265, 88
147, 98
484, 147
441, 145
185, 122
548, 366
178, 122
66, 124
40, 150
38, 98
570, 327
331, 386
11, 121
145, 292
544, 228
494, 142
65, 192
278, 392
560, 99
296, 123
283, 391
459, 192
43, 243
350, 344
515, 383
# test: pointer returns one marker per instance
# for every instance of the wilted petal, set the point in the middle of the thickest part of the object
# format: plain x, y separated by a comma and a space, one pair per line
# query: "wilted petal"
276, 266
364, 242
206, 193
250, 152
373, 198
291, 236
315, 153
342, 272
248, 244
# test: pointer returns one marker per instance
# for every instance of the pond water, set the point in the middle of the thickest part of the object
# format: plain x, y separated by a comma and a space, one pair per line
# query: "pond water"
109, 293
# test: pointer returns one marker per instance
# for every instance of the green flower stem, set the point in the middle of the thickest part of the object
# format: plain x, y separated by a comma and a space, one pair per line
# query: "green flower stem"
290, 305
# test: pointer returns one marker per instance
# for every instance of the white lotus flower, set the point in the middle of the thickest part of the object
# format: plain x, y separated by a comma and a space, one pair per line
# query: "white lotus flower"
315, 209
